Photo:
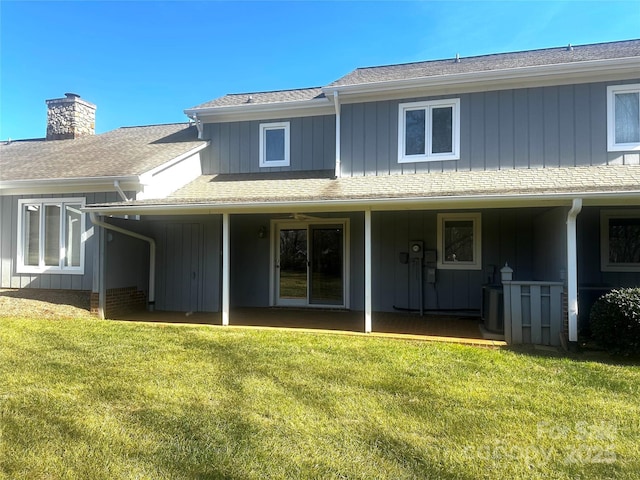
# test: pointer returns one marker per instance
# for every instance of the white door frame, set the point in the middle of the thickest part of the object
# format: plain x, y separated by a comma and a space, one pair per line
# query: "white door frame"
276, 226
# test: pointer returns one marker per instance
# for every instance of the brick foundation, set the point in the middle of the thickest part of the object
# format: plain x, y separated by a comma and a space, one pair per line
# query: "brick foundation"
119, 301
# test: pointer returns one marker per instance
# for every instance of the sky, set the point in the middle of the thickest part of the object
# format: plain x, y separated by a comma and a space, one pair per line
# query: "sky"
144, 62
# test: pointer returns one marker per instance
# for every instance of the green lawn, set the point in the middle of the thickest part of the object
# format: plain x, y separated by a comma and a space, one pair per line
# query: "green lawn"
105, 400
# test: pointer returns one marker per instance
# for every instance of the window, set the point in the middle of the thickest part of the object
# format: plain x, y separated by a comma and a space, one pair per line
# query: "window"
50, 236
620, 240
623, 117
459, 241
429, 131
274, 144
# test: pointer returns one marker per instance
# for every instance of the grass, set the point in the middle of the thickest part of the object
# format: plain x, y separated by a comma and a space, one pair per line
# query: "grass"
102, 400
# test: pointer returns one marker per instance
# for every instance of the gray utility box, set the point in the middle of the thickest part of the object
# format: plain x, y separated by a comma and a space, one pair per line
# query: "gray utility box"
493, 308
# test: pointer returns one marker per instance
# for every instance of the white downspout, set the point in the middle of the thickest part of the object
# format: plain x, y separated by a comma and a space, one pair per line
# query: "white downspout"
572, 269
336, 103
198, 123
116, 185
152, 254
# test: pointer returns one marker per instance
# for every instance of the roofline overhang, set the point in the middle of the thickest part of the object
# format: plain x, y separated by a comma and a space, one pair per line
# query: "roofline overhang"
65, 185
619, 198
318, 106
538, 75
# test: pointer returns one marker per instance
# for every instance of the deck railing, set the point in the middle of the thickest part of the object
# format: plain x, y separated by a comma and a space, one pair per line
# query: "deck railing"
533, 312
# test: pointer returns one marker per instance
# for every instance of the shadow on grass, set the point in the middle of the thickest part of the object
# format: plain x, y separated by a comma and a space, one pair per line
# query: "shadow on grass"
74, 298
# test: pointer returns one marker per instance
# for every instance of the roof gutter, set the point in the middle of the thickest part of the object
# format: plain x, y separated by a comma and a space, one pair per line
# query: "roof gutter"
629, 65
378, 204
258, 107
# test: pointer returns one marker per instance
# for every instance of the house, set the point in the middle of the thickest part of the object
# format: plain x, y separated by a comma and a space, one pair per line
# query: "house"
498, 182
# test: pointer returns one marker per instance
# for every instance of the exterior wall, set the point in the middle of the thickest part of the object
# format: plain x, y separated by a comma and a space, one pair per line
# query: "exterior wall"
8, 247
508, 235
250, 260
524, 128
235, 145
187, 261
592, 281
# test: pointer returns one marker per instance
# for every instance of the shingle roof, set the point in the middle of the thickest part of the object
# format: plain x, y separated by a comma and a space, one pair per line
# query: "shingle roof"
501, 61
122, 152
289, 187
262, 98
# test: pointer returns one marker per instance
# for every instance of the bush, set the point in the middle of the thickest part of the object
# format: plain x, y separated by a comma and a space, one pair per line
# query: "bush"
615, 321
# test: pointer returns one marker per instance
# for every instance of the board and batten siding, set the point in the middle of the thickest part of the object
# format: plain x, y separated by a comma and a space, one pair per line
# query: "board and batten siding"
557, 126
235, 145
9, 241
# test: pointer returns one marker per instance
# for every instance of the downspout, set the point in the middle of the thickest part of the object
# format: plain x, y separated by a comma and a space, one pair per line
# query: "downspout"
152, 253
572, 269
116, 185
198, 123
336, 103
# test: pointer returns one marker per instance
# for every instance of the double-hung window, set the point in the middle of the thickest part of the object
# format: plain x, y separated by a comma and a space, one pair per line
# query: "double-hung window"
623, 117
620, 240
459, 241
274, 144
429, 131
50, 235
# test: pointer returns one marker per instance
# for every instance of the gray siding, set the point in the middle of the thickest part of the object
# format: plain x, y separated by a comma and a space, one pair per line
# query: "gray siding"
235, 145
515, 236
188, 262
525, 128
8, 247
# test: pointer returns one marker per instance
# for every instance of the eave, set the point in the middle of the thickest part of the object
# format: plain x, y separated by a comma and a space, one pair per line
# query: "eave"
491, 80
68, 185
264, 111
471, 202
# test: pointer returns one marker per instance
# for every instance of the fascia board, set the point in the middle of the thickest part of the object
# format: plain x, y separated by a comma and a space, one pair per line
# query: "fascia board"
67, 185
262, 111
496, 79
384, 204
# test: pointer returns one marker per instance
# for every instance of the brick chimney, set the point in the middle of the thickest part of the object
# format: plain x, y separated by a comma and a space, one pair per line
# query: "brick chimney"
70, 117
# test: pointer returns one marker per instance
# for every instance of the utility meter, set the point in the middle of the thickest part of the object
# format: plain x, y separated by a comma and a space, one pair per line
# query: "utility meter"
416, 249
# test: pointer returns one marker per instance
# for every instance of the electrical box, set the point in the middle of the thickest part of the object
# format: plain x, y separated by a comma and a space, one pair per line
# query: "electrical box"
430, 256
403, 257
431, 275
416, 249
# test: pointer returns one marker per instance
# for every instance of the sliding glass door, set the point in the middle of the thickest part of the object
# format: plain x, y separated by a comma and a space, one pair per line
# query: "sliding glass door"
310, 266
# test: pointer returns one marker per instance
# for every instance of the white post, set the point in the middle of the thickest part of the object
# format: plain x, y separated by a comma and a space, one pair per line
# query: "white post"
225, 268
336, 102
572, 269
102, 278
367, 271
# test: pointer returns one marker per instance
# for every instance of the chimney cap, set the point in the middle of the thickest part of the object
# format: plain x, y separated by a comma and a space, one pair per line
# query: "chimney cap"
72, 95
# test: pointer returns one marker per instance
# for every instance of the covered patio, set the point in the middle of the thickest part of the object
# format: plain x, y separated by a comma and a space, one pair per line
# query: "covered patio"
445, 328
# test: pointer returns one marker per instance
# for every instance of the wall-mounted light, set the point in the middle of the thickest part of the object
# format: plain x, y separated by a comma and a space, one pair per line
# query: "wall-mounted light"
262, 232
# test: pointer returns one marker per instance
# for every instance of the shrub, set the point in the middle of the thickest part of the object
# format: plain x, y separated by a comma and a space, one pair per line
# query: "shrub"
615, 321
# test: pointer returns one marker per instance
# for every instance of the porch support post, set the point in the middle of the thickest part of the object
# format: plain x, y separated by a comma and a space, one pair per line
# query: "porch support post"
225, 268
367, 271
102, 278
572, 269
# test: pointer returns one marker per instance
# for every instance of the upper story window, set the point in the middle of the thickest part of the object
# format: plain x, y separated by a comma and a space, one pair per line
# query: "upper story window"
51, 235
274, 144
620, 240
429, 131
459, 241
623, 117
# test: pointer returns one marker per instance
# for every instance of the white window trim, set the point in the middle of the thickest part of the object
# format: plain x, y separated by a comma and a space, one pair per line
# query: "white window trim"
20, 265
605, 265
612, 91
427, 156
476, 264
275, 126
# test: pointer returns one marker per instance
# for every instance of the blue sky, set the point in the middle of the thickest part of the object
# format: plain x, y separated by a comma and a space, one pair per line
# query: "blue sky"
145, 62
